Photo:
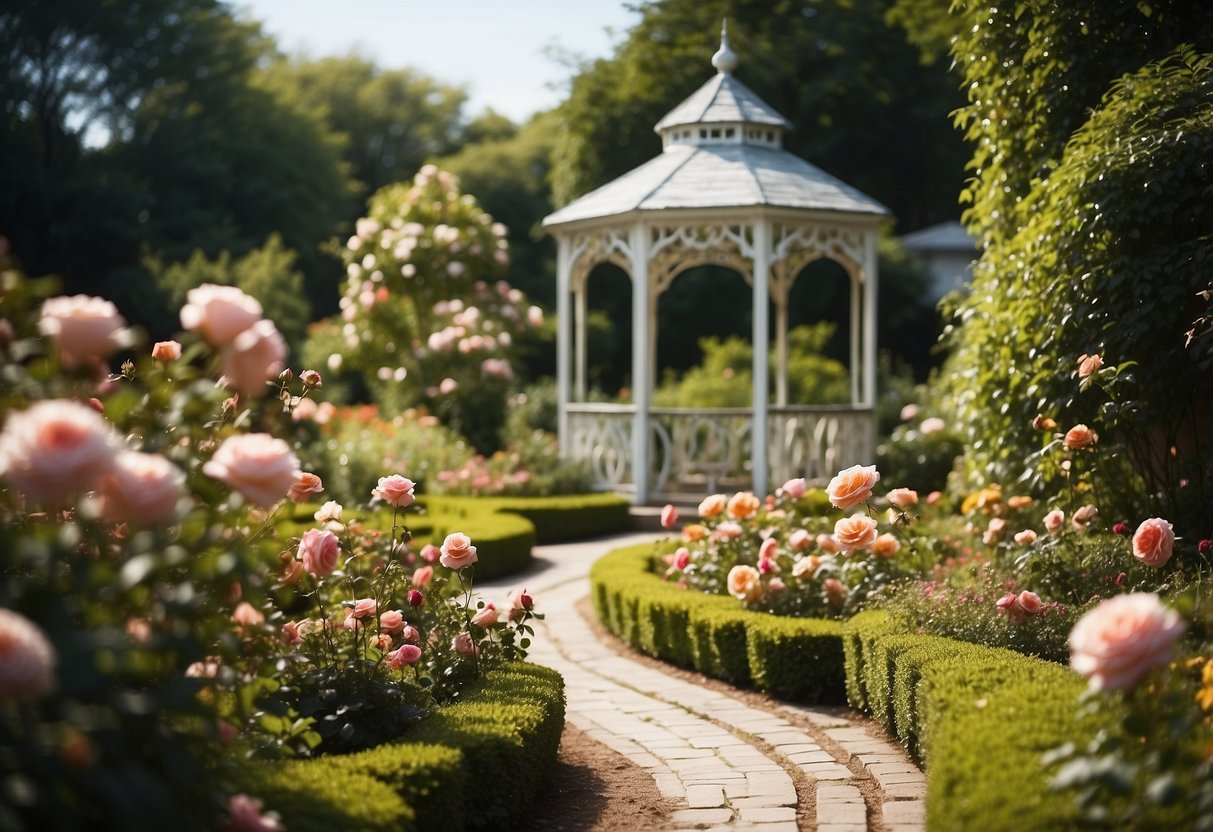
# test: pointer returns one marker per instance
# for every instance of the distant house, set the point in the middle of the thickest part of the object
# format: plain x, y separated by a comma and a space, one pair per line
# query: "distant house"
947, 251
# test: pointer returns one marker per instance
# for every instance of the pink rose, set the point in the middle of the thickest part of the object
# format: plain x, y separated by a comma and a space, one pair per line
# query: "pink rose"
319, 550
902, 498
304, 487
220, 313
86, 330
768, 549
291, 633
669, 517
1029, 602
311, 378
1083, 516
246, 615
744, 583
743, 505
330, 512
835, 591
800, 540
806, 568
422, 576
1009, 604
487, 617
257, 465
1054, 520
520, 601
855, 532
852, 486
410, 634
361, 609
244, 815
930, 425
464, 645
794, 488
1153, 541
994, 531
395, 491
141, 488
682, 558
392, 622
1115, 644
827, 543
886, 546
457, 551
1088, 364
713, 506
166, 351
728, 531
403, 656
56, 449
27, 659
776, 586
1026, 537
253, 358
430, 553
416, 599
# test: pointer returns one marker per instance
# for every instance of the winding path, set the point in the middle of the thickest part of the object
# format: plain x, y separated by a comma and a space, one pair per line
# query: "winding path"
725, 764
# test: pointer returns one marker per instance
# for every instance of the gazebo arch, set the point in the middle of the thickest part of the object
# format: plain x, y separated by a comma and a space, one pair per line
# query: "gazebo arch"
722, 192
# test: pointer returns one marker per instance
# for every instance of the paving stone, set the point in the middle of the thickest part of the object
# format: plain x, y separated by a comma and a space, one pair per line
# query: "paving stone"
761, 802
908, 791
904, 811
786, 737
775, 813
848, 734
846, 813
705, 797
843, 827
697, 816
812, 757
827, 771
900, 777
892, 768
831, 793
797, 748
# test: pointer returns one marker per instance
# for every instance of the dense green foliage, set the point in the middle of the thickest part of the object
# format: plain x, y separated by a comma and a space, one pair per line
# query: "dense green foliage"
1091, 130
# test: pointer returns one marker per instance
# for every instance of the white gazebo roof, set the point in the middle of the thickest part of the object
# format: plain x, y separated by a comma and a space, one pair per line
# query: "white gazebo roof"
723, 99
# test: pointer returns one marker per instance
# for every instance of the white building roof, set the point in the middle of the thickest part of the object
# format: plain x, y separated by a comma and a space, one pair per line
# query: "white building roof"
947, 236
723, 99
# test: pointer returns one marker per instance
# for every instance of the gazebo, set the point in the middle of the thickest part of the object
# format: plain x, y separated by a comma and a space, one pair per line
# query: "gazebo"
722, 192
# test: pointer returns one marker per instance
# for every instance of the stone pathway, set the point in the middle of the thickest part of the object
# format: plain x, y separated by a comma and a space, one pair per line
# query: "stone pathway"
725, 764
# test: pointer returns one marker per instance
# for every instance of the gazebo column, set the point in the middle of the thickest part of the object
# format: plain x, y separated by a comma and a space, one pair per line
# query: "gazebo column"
564, 326
869, 315
641, 362
580, 295
858, 368
762, 344
781, 341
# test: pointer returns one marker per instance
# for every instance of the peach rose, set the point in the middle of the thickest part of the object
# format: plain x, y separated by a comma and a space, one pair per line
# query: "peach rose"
257, 465
902, 498
1026, 537
464, 645
85, 329
669, 517
319, 550
852, 486
395, 491
304, 487
694, 532
1019, 501
886, 546
835, 591
1088, 364
253, 358
932, 424
1054, 520
728, 531
291, 633
743, 505
220, 313
855, 532
994, 531
712, 506
246, 615
166, 351
1153, 541
457, 551
1115, 644
806, 567
330, 512
403, 656
56, 449
800, 540
827, 543
27, 659
794, 488
745, 584
1079, 437
1083, 516
141, 488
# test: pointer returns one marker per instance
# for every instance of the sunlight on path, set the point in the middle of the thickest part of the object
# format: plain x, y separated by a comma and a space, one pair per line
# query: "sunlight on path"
723, 763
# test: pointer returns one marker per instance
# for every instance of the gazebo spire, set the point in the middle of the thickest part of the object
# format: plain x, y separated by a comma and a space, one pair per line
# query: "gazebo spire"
725, 60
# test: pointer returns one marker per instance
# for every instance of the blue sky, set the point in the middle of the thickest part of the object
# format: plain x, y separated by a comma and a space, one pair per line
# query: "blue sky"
495, 48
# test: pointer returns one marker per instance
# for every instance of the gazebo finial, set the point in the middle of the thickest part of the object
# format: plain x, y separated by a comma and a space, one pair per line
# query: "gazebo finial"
725, 59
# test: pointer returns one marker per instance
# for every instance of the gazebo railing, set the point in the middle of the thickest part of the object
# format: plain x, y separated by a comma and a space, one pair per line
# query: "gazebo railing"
702, 451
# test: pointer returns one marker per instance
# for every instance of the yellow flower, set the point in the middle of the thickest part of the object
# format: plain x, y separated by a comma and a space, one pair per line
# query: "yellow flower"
988, 500
1204, 696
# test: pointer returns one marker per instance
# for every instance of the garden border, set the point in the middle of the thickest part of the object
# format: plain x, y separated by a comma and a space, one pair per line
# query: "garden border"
475, 764
979, 718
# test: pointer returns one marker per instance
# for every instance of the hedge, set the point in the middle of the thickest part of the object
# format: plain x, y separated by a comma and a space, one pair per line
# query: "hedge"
504, 529
979, 719
476, 764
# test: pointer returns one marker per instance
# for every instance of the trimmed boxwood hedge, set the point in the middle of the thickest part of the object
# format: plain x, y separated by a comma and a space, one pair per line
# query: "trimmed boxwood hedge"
979, 719
476, 764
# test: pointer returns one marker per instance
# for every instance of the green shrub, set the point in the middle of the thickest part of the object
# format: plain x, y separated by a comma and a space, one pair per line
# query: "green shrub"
568, 516
798, 658
430, 779
313, 796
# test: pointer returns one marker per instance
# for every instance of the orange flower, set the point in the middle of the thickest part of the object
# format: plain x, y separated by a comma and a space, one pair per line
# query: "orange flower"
1079, 437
